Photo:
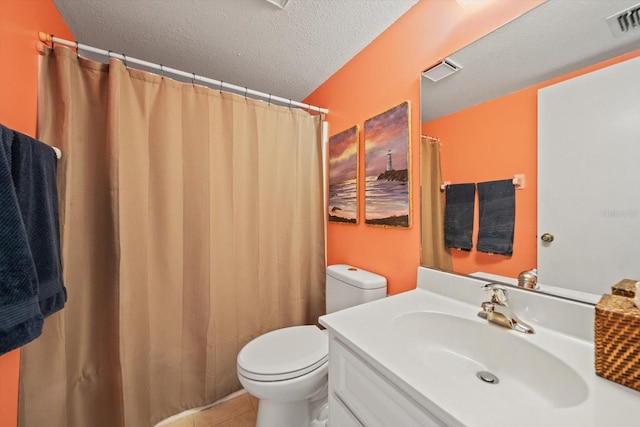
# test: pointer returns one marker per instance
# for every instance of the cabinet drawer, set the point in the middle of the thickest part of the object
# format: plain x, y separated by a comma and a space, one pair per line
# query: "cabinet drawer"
373, 399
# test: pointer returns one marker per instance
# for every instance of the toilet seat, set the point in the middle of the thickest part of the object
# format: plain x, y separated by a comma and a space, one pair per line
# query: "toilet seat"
284, 354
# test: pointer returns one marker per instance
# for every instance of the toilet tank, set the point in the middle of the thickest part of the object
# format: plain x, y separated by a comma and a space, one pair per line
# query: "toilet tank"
348, 286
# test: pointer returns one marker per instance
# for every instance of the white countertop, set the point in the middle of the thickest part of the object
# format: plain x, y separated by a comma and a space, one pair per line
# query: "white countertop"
367, 329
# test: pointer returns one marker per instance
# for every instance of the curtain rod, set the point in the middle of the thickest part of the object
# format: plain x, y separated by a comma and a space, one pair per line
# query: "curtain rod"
431, 139
50, 38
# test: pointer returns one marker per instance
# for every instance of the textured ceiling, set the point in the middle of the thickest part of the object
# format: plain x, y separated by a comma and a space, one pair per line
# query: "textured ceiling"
250, 43
556, 38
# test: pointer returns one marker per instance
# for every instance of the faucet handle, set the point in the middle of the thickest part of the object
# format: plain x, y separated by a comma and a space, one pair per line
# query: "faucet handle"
497, 293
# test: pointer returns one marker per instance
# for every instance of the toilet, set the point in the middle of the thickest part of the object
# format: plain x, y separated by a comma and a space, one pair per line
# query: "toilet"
287, 369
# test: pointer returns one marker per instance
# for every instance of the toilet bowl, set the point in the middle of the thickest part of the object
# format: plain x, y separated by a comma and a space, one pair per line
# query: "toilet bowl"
287, 369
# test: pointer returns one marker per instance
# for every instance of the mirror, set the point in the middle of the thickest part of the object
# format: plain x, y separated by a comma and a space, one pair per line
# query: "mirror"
485, 114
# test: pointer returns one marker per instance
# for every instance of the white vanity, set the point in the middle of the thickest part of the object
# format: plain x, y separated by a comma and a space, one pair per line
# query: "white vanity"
425, 358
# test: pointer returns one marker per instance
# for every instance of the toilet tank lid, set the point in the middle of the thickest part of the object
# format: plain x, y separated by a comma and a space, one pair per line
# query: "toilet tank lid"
356, 277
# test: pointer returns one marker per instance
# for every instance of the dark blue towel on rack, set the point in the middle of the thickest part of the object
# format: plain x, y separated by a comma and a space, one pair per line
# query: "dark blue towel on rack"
31, 284
458, 216
20, 316
34, 176
497, 217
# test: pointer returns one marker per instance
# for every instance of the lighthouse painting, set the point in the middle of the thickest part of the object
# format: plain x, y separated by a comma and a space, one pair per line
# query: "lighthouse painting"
387, 177
343, 177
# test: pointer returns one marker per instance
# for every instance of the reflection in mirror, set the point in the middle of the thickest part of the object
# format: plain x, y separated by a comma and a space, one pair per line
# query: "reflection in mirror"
486, 118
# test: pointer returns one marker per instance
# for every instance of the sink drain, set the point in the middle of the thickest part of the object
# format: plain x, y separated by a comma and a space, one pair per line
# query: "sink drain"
487, 377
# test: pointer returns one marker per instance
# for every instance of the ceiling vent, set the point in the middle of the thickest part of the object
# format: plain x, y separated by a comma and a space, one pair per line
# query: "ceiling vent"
625, 22
441, 70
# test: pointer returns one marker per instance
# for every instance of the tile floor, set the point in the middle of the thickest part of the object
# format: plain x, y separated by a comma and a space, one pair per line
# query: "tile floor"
241, 411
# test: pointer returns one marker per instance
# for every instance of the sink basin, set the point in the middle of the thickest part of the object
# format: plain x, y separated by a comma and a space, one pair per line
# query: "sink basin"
453, 350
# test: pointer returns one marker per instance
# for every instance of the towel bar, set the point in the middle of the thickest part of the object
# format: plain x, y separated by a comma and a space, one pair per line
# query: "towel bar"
518, 181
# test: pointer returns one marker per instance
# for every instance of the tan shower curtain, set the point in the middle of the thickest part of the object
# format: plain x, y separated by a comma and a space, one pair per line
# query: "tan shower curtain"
192, 221
434, 253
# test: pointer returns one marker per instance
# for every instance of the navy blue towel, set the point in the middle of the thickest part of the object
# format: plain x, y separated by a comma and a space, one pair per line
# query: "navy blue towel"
497, 217
458, 216
20, 316
31, 286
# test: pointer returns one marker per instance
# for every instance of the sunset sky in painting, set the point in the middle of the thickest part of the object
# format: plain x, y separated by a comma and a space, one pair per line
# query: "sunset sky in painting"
343, 149
387, 131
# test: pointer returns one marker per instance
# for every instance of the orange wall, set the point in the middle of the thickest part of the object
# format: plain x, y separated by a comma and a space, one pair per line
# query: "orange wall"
20, 21
382, 75
496, 140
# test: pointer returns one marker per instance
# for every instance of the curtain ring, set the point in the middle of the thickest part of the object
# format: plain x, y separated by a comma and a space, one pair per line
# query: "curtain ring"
193, 79
109, 54
162, 71
246, 89
77, 50
221, 84
125, 61
53, 44
269, 99
290, 106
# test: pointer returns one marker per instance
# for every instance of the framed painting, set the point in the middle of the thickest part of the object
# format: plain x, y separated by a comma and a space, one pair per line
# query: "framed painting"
343, 176
387, 177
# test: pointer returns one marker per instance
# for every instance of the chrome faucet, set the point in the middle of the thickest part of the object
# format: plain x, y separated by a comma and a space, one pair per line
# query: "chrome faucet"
497, 311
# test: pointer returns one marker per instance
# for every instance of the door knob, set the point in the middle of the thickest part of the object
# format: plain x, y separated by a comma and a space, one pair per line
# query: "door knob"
547, 237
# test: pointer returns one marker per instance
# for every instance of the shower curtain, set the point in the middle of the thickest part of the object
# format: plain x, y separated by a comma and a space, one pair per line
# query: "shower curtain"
434, 253
191, 222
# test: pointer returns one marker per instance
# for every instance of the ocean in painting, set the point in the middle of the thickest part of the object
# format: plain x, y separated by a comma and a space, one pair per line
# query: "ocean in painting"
387, 202
343, 203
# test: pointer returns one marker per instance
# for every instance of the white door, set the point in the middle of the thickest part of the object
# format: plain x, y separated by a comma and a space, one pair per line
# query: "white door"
589, 179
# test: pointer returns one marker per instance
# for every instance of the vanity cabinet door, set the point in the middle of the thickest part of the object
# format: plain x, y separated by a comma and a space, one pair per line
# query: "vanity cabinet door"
340, 415
373, 399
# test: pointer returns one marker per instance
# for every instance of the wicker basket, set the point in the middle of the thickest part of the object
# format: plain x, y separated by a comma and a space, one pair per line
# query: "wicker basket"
617, 340
625, 288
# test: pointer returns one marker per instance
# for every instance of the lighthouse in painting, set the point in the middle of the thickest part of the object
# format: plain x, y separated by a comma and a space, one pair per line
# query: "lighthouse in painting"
389, 166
